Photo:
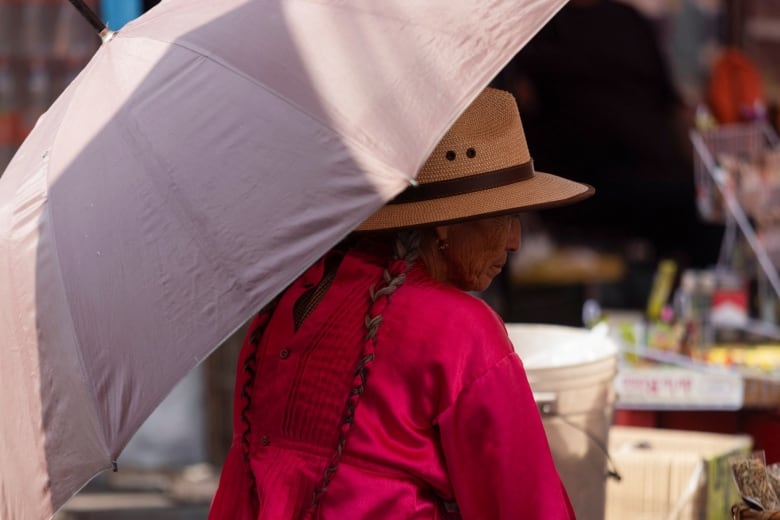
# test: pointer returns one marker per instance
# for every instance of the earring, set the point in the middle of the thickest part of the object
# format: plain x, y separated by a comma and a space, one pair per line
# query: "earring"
442, 244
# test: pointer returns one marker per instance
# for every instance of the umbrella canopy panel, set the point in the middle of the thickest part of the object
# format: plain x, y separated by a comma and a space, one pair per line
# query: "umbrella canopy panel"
207, 154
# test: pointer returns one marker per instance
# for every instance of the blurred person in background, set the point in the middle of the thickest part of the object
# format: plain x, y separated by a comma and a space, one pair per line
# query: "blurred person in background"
600, 107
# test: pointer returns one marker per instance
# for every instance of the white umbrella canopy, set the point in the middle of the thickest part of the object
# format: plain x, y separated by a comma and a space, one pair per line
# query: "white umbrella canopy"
208, 153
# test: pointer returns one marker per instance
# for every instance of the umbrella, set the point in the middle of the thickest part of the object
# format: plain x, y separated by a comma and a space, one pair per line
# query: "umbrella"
206, 155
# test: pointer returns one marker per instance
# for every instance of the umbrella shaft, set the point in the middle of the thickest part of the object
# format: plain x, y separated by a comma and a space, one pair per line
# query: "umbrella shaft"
89, 15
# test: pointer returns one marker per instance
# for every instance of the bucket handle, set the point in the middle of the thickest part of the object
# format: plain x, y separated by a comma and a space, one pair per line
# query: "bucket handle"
547, 402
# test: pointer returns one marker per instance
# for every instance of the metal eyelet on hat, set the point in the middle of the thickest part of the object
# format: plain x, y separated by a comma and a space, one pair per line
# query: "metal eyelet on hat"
450, 155
471, 153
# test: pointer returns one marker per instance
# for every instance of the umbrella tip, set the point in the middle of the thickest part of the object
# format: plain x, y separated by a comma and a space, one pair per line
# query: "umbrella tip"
114, 466
106, 35
413, 182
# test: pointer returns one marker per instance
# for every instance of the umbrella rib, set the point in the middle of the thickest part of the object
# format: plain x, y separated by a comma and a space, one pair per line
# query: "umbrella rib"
77, 343
54, 233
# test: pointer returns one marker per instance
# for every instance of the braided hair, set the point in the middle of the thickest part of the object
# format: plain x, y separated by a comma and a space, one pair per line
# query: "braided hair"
250, 369
405, 251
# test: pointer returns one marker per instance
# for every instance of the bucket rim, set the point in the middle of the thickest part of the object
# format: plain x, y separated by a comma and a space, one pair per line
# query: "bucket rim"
607, 350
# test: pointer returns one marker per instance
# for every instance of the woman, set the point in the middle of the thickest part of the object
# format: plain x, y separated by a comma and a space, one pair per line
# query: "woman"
375, 386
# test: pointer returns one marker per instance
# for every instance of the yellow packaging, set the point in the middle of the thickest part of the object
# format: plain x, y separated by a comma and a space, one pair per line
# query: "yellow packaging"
662, 288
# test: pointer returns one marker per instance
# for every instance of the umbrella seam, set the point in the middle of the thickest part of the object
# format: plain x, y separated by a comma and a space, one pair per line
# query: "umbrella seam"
82, 366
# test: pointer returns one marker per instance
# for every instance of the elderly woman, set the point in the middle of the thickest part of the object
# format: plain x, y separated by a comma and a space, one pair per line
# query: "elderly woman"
375, 386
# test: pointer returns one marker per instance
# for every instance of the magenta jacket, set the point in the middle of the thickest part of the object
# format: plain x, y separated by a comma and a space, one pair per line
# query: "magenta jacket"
447, 415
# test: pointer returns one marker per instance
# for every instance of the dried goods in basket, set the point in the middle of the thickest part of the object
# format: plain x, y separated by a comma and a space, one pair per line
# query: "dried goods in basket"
753, 480
743, 512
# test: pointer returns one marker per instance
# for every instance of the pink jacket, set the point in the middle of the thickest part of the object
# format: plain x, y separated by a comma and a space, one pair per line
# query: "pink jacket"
447, 414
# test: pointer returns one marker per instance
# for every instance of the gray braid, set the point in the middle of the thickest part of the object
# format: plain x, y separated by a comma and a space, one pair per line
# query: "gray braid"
250, 370
406, 248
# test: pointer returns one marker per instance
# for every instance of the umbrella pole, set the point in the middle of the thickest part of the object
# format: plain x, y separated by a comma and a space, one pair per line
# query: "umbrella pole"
94, 20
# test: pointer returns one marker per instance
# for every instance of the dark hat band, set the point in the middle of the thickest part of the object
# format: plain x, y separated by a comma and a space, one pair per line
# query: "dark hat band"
469, 184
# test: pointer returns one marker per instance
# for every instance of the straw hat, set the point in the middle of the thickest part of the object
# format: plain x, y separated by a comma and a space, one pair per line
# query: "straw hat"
480, 168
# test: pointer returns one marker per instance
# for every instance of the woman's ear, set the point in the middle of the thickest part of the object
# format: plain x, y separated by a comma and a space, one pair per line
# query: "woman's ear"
442, 232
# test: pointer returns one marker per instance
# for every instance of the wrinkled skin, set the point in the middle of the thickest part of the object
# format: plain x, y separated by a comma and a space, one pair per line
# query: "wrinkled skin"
476, 251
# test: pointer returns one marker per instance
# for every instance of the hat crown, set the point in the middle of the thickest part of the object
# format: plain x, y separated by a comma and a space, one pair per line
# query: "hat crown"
480, 168
488, 136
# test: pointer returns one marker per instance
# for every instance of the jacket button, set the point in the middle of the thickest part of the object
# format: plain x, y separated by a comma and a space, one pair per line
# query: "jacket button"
284, 353
264, 440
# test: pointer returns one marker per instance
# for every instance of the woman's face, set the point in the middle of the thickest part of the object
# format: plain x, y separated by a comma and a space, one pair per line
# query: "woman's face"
477, 250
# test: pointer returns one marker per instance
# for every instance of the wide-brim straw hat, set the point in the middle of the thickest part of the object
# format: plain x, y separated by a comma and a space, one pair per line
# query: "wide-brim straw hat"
480, 168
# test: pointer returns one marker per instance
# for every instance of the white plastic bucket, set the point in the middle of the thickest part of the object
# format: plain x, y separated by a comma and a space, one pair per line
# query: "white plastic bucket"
572, 372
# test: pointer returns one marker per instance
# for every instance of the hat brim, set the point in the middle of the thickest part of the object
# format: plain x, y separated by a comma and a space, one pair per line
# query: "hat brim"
543, 190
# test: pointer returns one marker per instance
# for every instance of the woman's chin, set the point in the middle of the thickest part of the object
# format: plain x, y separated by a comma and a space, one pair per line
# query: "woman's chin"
481, 284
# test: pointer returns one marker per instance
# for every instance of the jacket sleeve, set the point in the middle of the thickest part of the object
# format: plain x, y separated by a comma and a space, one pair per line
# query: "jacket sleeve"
496, 450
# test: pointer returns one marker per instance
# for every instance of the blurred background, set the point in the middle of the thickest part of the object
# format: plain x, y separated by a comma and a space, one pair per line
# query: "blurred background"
663, 106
